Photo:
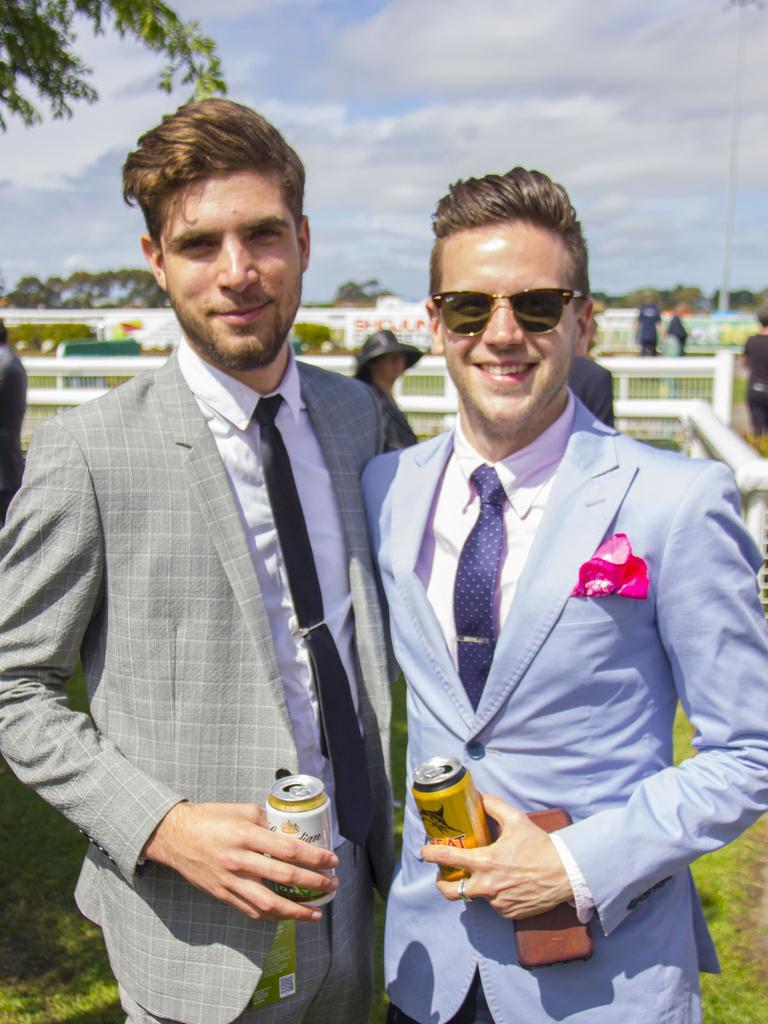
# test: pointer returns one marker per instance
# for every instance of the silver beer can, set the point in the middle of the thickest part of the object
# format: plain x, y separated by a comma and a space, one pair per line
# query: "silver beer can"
298, 806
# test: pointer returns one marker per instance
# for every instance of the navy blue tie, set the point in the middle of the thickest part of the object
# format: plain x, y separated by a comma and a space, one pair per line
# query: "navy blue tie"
474, 593
340, 734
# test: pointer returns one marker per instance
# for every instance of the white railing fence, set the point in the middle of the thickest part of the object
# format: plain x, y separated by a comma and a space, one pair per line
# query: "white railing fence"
617, 331
686, 402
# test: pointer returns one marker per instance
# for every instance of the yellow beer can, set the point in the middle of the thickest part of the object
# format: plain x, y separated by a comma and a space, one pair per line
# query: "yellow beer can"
450, 808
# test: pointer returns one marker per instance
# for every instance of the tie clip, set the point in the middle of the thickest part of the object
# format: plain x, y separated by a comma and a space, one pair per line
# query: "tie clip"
304, 631
474, 640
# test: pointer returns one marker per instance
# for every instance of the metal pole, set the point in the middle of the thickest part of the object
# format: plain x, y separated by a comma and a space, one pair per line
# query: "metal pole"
725, 295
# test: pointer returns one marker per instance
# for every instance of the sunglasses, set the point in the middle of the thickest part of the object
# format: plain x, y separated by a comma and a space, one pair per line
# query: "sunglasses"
537, 310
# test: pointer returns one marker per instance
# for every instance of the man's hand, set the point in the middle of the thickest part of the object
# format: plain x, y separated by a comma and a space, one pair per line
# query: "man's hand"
227, 850
520, 874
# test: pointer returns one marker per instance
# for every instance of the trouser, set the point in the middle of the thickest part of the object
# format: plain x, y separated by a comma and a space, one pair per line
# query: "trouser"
647, 348
5, 501
334, 958
758, 411
474, 1009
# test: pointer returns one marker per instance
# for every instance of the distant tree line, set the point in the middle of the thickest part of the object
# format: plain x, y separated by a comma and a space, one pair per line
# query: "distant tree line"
365, 293
688, 295
107, 289
112, 289
359, 293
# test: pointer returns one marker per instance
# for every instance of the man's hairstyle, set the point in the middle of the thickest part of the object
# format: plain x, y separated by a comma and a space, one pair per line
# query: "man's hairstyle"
762, 316
202, 139
518, 195
3, 333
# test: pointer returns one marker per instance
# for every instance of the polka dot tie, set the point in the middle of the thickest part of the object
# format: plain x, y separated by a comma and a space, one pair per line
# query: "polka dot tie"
475, 588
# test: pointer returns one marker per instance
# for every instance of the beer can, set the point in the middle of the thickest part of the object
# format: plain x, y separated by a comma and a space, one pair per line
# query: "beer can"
450, 808
298, 806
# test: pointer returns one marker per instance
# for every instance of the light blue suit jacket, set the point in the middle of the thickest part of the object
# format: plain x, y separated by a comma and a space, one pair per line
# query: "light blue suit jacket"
578, 712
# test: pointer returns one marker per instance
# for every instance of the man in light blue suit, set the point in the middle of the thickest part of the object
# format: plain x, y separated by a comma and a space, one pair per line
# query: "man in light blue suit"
621, 582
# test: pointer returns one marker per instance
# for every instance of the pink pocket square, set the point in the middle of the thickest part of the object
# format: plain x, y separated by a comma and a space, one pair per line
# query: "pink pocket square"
613, 569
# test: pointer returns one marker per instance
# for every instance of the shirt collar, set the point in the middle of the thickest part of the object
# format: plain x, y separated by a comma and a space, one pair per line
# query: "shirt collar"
524, 473
230, 398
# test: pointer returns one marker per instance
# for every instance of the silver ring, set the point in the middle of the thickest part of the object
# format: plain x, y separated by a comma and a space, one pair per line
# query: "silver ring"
462, 893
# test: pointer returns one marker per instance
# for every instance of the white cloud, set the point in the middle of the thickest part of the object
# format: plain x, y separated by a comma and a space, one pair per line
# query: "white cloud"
51, 155
628, 105
226, 9
563, 47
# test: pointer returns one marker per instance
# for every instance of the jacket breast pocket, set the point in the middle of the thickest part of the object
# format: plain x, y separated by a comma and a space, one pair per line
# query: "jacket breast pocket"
601, 648
611, 611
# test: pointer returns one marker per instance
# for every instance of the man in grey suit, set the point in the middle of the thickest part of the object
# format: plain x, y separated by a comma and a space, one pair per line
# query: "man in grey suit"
144, 543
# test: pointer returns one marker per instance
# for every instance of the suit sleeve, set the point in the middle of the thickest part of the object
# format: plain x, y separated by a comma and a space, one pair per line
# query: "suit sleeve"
713, 630
51, 584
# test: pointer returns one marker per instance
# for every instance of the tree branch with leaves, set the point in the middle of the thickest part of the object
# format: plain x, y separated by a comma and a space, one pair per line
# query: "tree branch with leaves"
37, 52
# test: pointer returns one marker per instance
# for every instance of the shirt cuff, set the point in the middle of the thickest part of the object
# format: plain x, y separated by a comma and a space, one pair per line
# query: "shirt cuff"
582, 897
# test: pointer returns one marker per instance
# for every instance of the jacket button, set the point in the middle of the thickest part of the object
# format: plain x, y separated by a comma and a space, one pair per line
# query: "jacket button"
476, 750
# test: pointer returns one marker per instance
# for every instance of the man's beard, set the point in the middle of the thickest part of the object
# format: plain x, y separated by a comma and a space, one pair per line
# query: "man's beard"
256, 350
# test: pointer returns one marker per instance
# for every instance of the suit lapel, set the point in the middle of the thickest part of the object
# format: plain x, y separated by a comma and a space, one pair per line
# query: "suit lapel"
331, 427
418, 478
210, 488
331, 434
588, 490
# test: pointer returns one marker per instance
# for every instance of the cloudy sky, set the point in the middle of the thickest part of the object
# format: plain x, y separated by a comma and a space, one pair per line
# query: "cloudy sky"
627, 103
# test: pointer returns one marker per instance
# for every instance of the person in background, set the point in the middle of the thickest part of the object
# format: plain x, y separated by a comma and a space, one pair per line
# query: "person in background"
676, 335
196, 538
648, 319
755, 358
380, 362
13, 405
592, 383
555, 590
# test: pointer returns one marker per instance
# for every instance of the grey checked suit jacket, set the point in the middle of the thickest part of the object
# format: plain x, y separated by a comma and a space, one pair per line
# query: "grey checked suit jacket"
125, 548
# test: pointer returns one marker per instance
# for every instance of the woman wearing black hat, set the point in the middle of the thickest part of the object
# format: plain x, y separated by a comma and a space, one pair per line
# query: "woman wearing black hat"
380, 361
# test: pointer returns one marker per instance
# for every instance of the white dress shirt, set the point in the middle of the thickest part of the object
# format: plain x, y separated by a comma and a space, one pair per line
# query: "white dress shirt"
527, 477
228, 407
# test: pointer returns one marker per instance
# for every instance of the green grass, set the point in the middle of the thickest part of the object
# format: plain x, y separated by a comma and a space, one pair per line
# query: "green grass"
398, 746
53, 969
730, 883
739, 388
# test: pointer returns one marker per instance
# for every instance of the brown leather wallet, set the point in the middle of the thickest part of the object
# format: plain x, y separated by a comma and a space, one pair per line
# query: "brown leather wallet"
556, 936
